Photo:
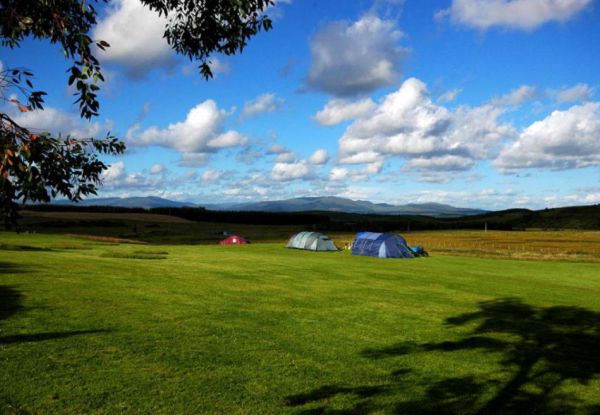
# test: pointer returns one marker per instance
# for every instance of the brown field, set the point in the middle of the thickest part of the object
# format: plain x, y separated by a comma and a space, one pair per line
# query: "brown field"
565, 245
91, 216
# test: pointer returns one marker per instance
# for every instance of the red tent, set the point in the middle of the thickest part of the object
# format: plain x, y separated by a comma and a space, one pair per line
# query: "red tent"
234, 240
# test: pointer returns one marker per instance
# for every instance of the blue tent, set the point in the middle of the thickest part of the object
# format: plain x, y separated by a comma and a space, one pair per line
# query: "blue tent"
382, 245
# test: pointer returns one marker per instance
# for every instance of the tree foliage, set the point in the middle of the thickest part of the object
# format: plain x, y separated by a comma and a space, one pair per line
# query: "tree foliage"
38, 166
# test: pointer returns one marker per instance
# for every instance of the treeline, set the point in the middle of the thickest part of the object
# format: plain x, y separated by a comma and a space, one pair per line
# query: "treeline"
579, 217
198, 214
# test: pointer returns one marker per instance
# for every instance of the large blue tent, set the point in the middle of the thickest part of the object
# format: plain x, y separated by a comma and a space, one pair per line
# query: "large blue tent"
382, 245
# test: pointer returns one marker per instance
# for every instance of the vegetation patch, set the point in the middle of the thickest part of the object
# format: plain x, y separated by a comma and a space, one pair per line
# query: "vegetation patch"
107, 239
151, 252
70, 246
9, 247
133, 255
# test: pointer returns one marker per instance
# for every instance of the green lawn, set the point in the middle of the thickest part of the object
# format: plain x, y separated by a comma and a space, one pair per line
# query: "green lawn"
87, 327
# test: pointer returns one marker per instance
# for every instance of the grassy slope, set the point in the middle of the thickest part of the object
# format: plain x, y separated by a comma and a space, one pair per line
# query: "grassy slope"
262, 329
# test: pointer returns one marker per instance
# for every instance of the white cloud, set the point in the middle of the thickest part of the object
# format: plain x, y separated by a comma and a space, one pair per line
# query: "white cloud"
135, 34
291, 171
342, 173
284, 155
450, 95
261, 104
362, 157
158, 169
579, 92
354, 58
56, 121
563, 140
218, 67
116, 177
287, 157
319, 157
114, 172
514, 14
277, 149
201, 132
212, 176
408, 124
193, 159
444, 163
373, 168
340, 110
517, 96
339, 173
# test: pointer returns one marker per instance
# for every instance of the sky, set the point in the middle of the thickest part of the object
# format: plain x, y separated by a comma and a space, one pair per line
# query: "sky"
491, 104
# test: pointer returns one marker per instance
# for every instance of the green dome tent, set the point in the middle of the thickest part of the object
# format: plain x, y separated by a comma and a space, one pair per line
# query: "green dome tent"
312, 241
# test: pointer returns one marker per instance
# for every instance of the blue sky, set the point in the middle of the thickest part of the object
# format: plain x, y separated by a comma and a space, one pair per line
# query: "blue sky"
481, 103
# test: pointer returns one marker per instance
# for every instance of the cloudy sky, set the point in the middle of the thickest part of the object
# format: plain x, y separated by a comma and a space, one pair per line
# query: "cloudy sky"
479, 103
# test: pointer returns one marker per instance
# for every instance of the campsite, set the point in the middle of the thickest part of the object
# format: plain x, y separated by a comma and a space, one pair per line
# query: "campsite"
112, 325
295, 207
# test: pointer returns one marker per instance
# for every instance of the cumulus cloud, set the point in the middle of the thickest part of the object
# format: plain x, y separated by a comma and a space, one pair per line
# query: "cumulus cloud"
354, 58
338, 174
114, 172
514, 14
261, 104
443, 163
516, 97
563, 140
579, 92
286, 157
438, 169
409, 125
340, 110
135, 34
285, 172
158, 169
116, 177
212, 176
201, 132
55, 121
319, 157
277, 149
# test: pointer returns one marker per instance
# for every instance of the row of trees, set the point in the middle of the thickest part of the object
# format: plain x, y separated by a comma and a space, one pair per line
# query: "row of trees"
38, 166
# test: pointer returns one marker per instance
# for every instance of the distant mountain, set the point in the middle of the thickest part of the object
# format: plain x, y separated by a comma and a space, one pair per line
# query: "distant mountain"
339, 204
299, 204
129, 202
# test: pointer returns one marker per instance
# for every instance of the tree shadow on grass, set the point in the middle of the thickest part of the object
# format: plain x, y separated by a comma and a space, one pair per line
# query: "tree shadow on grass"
10, 247
539, 350
11, 302
12, 268
36, 337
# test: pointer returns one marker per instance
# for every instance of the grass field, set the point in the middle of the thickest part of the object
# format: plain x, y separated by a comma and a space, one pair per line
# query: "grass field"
97, 327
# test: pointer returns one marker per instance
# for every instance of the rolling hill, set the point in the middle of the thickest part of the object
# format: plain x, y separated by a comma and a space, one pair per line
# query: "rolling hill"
146, 202
299, 204
339, 204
